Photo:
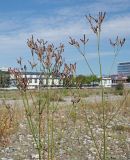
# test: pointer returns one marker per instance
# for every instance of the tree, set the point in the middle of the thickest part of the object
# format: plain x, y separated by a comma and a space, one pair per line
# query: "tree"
4, 79
69, 81
91, 79
128, 79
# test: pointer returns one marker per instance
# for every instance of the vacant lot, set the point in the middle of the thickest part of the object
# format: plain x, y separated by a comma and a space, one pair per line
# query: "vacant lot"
77, 124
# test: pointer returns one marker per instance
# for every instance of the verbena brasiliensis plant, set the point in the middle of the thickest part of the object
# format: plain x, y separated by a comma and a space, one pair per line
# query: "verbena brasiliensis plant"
96, 26
47, 61
58, 129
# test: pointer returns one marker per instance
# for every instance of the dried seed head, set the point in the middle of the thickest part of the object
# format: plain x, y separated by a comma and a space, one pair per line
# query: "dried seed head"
118, 42
122, 42
84, 40
19, 61
111, 43
62, 47
73, 68
33, 65
69, 70
25, 68
49, 48
21, 79
96, 23
66, 69
74, 42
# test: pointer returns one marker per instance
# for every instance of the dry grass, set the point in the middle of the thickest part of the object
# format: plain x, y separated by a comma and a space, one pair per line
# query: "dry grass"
55, 95
9, 121
122, 128
14, 95
63, 92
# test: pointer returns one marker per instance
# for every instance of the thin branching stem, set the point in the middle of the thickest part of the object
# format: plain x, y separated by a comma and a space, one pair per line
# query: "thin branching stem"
29, 119
39, 125
102, 96
85, 58
116, 51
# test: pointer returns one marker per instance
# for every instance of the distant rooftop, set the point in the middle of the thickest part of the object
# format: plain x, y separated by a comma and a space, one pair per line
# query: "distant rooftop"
4, 69
121, 63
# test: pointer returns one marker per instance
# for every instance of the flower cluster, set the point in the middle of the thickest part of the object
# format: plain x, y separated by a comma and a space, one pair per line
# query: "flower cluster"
69, 70
75, 43
96, 23
20, 78
118, 42
49, 56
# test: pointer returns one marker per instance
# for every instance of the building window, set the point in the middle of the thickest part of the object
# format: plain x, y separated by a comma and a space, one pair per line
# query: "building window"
30, 80
35, 80
124, 68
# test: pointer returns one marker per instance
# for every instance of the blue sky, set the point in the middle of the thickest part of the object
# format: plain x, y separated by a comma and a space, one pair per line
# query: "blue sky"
55, 21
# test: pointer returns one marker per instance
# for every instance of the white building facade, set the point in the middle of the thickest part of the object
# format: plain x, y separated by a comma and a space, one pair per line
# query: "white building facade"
106, 82
35, 80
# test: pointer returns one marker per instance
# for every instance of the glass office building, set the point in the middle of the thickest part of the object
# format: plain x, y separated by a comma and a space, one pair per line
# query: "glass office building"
124, 68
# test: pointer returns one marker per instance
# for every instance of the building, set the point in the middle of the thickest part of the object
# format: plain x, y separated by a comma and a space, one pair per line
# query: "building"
4, 69
123, 68
116, 79
34, 80
106, 82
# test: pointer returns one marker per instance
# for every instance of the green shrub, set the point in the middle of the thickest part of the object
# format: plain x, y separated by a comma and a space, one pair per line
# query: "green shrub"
120, 86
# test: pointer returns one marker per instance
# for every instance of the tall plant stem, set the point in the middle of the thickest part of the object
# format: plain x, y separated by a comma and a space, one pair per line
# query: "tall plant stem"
28, 116
39, 127
48, 117
52, 134
102, 94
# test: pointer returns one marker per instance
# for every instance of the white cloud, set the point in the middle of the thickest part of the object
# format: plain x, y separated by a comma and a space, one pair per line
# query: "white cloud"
89, 56
117, 26
94, 7
17, 41
68, 21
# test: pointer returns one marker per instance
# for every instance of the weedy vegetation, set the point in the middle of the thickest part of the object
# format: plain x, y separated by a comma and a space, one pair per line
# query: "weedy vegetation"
9, 122
84, 128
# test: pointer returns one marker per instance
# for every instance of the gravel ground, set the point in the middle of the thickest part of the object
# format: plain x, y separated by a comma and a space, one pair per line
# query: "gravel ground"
66, 100
75, 144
